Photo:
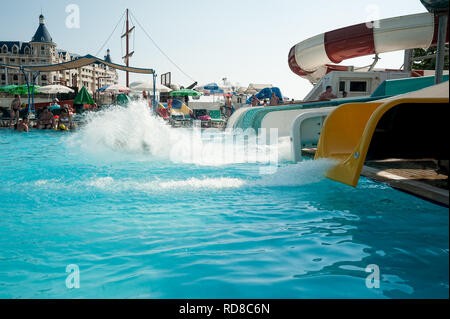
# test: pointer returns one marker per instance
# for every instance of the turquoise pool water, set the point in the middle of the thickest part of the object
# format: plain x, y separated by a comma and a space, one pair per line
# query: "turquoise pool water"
142, 220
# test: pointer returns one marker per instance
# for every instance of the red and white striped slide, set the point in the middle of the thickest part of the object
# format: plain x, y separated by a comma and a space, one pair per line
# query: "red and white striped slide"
312, 58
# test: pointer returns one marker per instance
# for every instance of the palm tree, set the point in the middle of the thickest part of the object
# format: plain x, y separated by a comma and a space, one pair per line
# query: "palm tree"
427, 63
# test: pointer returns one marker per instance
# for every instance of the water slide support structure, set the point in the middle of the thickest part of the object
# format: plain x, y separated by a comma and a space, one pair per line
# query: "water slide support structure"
442, 35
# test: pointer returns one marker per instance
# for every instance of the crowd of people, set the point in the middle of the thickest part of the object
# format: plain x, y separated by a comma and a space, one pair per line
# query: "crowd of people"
46, 120
273, 101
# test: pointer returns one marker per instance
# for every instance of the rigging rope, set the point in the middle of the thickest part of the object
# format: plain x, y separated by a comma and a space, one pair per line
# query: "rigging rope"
160, 50
109, 38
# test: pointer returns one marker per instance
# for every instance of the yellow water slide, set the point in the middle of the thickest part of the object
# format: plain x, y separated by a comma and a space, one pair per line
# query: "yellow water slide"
348, 131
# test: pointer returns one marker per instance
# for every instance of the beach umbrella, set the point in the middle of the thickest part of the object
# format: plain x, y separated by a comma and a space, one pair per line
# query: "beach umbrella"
148, 86
54, 89
117, 88
7, 88
185, 92
23, 89
102, 89
211, 89
123, 99
83, 97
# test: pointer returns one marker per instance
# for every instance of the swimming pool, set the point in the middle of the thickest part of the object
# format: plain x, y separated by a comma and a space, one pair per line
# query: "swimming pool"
142, 220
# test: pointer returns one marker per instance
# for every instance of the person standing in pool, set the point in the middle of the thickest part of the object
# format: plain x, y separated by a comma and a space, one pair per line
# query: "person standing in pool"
64, 120
22, 126
14, 111
46, 120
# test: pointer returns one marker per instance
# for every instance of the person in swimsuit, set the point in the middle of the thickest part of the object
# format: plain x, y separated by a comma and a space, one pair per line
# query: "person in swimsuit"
64, 119
14, 111
328, 94
255, 101
274, 100
55, 105
46, 120
22, 126
228, 106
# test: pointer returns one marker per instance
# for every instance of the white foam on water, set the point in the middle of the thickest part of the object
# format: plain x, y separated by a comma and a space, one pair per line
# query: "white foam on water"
120, 132
291, 175
302, 173
211, 183
109, 184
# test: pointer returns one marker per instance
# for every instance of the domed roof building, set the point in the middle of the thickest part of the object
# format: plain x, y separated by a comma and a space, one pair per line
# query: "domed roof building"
42, 50
42, 34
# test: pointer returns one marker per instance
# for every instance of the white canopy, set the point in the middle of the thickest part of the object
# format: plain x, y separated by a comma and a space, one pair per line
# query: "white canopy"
258, 87
55, 88
148, 86
76, 64
117, 88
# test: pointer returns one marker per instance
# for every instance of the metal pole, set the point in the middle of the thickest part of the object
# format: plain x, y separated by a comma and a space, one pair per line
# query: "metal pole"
407, 63
28, 87
34, 76
442, 34
128, 52
154, 91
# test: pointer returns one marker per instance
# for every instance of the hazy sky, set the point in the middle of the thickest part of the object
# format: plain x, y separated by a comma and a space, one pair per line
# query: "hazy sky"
247, 41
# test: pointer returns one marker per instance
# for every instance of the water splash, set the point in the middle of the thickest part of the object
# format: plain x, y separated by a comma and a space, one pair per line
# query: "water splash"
302, 173
133, 132
120, 132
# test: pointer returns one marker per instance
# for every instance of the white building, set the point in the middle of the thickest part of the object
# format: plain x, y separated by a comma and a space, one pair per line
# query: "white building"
42, 50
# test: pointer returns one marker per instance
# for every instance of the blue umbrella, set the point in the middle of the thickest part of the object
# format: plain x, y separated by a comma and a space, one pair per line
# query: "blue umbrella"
102, 89
211, 87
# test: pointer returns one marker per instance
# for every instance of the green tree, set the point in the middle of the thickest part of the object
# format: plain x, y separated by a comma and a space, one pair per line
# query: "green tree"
427, 64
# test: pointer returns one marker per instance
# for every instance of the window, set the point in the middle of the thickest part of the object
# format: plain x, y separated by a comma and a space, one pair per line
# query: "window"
341, 86
12, 60
44, 77
15, 78
15, 49
23, 60
358, 86
1, 59
4, 49
3, 77
27, 50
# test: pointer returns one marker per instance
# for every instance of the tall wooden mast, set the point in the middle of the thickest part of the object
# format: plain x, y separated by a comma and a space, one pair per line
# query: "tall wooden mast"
129, 54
